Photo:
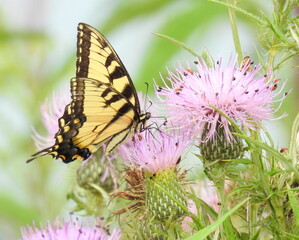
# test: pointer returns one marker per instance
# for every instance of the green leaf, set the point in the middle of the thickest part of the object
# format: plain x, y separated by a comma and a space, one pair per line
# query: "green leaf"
178, 43
202, 234
256, 234
292, 236
229, 229
294, 34
284, 161
210, 210
240, 161
208, 58
283, 62
276, 30
104, 194
293, 199
293, 142
256, 18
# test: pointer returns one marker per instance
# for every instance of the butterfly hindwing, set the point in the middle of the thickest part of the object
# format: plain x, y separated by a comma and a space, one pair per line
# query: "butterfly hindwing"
104, 105
107, 112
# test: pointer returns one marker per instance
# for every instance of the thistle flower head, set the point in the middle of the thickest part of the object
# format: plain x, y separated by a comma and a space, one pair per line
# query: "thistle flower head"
68, 231
239, 92
157, 152
153, 171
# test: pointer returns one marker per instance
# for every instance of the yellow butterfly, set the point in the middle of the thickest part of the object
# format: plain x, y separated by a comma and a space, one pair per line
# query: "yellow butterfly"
104, 106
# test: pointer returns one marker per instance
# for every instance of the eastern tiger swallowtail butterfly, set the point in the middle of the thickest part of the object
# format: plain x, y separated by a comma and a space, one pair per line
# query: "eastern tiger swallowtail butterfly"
104, 107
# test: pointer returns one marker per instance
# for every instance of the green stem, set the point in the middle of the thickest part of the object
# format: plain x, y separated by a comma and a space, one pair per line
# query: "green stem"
178, 43
293, 143
217, 176
235, 33
259, 173
222, 200
271, 58
256, 167
280, 218
252, 212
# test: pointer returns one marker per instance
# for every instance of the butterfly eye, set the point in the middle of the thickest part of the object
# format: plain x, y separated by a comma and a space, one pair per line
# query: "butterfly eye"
147, 115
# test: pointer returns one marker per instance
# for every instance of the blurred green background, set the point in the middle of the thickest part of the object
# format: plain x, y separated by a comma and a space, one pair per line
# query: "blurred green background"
37, 57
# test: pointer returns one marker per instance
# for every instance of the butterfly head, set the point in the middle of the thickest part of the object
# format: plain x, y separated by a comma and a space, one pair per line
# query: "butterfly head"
144, 117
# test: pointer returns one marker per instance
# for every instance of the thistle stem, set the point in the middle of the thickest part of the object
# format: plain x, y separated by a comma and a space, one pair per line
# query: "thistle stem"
258, 173
235, 32
222, 199
256, 169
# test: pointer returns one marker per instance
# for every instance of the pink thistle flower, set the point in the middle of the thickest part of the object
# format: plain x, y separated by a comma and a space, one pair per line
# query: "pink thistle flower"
239, 92
155, 152
51, 110
154, 160
187, 219
208, 193
68, 231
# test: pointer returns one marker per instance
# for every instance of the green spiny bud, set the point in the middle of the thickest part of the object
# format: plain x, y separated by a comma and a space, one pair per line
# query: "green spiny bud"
91, 173
151, 230
218, 146
159, 205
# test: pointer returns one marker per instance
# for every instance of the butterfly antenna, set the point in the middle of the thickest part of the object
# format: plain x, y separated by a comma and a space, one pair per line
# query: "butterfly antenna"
146, 96
41, 153
150, 104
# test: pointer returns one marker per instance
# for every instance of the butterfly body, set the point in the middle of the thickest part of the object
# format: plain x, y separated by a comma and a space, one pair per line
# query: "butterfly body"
104, 106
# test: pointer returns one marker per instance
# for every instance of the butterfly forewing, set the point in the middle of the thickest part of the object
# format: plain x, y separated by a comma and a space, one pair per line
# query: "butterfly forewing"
96, 59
